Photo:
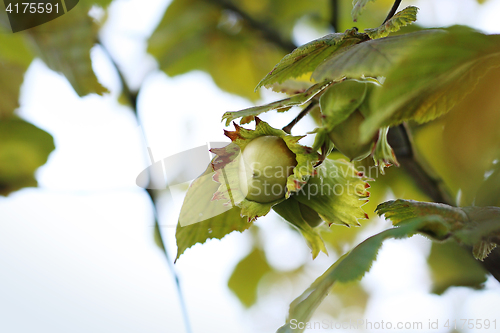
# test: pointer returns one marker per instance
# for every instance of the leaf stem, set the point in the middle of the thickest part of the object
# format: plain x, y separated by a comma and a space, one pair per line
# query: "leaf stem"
288, 128
393, 10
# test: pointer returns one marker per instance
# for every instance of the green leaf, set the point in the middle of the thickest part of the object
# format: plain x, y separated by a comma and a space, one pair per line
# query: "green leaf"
350, 267
283, 104
220, 43
336, 193
474, 226
247, 275
23, 148
358, 6
202, 218
434, 77
306, 58
290, 211
400, 211
452, 265
401, 19
372, 58
64, 45
15, 57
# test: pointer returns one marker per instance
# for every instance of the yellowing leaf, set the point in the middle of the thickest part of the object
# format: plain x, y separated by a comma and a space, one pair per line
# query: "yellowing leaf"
64, 45
401, 19
23, 148
451, 265
431, 79
307, 57
202, 218
246, 276
15, 58
371, 58
283, 104
201, 35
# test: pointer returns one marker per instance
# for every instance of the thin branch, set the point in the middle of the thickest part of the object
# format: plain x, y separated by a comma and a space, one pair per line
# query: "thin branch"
400, 141
268, 33
334, 20
288, 128
132, 99
393, 10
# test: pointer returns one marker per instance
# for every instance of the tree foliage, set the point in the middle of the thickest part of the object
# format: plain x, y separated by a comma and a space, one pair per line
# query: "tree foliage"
357, 84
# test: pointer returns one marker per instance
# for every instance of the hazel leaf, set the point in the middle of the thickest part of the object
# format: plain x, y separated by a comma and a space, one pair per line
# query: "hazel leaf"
246, 276
283, 104
203, 218
401, 19
350, 267
436, 75
23, 149
64, 45
306, 58
372, 58
478, 227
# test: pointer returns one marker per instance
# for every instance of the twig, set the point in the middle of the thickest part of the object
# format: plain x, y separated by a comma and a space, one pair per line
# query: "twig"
288, 128
334, 20
393, 10
400, 141
268, 33
132, 99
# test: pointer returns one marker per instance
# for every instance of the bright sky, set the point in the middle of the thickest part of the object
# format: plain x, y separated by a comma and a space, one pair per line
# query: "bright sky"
77, 253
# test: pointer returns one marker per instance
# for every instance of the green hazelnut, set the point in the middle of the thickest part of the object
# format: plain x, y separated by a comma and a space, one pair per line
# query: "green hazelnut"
345, 137
310, 215
265, 164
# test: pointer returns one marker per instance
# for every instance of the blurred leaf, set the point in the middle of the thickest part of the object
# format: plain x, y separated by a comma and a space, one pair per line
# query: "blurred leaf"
286, 103
358, 6
350, 267
246, 276
195, 34
290, 211
451, 265
64, 45
428, 82
202, 219
371, 58
401, 19
15, 58
336, 193
307, 57
463, 147
23, 148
